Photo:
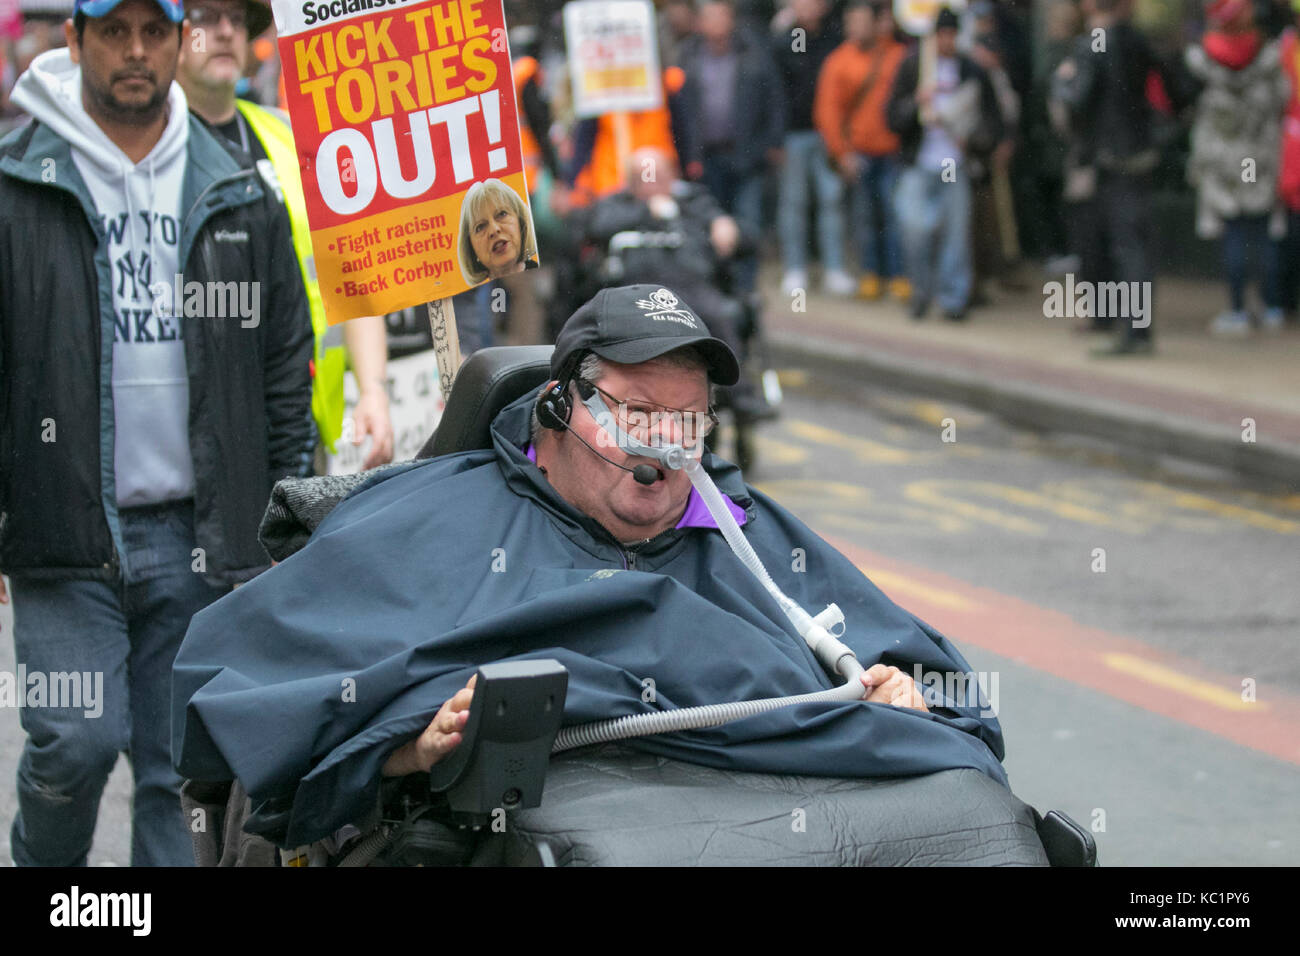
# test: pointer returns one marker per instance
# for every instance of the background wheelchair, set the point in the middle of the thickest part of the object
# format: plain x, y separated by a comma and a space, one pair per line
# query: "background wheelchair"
587, 266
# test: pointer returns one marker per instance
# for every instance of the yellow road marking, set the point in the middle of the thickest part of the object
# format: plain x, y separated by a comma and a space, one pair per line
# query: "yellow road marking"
864, 448
932, 413
792, 377
927, 493
892, 581
777, 452
819, 491
936, 489
1194, 502
1167, 677
891, 518
1065, 509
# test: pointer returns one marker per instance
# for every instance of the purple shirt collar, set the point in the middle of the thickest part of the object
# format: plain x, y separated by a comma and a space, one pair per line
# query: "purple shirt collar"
697, 512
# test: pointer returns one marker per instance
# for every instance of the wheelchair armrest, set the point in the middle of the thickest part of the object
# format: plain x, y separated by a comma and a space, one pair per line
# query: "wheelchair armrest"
1066, 842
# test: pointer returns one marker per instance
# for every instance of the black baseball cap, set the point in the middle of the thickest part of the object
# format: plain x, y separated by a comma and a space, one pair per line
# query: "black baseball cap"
635, 323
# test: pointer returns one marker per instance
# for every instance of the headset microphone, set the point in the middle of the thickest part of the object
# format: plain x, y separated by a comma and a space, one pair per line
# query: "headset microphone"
553, 411
642, 474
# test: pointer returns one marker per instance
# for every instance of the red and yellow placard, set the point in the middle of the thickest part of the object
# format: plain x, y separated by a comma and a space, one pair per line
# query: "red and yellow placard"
398, 109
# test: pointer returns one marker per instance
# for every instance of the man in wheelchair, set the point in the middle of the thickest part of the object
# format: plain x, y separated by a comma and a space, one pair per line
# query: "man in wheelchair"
352, 661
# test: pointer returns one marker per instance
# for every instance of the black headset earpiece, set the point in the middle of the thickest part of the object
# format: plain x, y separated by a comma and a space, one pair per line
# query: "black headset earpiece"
554, 407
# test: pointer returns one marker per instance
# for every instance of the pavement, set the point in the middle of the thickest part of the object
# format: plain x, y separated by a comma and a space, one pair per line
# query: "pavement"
1228, 402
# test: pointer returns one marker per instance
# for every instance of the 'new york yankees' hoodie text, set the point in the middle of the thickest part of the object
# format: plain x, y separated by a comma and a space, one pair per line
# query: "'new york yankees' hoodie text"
138, 205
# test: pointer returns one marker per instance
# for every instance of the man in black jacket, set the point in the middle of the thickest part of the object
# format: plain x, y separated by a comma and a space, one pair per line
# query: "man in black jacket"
1101, 86
154, 384
944, 110
737, 102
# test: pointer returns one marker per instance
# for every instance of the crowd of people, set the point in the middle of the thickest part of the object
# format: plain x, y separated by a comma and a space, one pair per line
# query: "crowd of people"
963, 160
875, 165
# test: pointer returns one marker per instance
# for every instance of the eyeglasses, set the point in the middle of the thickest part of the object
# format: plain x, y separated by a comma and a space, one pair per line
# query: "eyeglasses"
201, 15
641, 419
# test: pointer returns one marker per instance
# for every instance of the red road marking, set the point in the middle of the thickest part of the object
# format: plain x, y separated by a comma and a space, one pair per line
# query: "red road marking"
1052, 642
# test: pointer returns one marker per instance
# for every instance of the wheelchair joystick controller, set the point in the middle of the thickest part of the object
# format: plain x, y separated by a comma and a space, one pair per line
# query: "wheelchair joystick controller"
501, 761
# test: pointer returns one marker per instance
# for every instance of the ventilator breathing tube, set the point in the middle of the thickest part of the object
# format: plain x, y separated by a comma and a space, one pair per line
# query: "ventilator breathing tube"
834, 656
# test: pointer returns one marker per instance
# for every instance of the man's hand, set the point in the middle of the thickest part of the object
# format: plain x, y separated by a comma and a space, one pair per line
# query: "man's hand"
440, 738
366, 339
725, 236
984, 58
662, 206
889, 685
1003, 153
850, 166
561, 200
371, 417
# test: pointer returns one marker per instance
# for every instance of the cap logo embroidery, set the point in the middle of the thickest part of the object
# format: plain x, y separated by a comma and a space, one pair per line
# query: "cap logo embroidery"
662, 307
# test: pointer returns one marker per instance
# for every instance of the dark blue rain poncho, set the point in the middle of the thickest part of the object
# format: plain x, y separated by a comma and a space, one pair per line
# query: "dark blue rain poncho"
304, 680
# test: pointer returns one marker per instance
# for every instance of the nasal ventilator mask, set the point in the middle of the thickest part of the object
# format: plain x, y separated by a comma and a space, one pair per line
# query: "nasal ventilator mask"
833, 655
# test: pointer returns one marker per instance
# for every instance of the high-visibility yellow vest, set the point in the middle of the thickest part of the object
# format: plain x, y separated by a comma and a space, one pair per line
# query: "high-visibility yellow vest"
276, 136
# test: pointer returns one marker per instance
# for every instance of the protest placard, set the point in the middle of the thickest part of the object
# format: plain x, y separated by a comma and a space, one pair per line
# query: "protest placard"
405, 123
613, 56
917, 16
415, 406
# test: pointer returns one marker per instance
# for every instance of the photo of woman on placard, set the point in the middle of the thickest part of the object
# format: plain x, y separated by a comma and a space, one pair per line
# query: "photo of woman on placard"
496, 233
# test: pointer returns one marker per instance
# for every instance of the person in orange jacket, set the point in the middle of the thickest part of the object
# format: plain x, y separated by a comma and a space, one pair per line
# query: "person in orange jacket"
603, 143
852, 94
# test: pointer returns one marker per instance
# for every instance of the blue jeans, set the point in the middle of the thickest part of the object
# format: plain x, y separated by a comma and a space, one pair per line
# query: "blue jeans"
932, 212
873, 215
741, 196
1287, 251
128, 631
1246, 249
805, 161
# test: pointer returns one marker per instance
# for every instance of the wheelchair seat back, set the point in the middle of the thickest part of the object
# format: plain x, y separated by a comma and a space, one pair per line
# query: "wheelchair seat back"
489, 380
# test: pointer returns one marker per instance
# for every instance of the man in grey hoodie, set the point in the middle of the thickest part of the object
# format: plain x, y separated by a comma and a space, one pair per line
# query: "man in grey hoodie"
172, 349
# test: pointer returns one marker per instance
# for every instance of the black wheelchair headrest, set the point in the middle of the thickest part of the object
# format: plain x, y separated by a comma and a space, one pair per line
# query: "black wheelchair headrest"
489, 380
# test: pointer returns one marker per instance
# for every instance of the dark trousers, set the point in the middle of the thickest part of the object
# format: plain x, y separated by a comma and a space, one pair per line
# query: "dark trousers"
739, 191
1114, 230
1288, 259
1246, 250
